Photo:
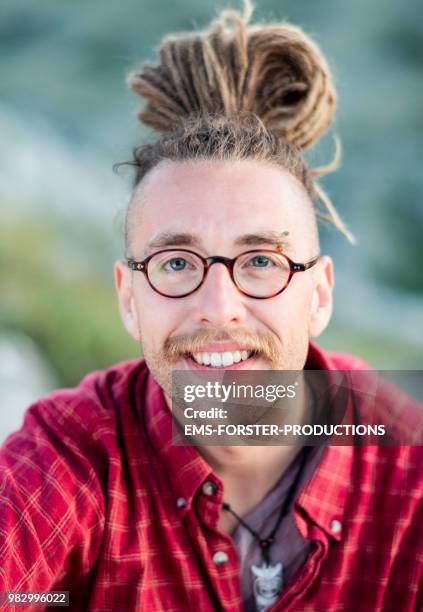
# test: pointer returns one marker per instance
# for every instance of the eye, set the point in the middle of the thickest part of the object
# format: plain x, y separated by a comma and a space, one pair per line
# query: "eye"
260, 261
176, 264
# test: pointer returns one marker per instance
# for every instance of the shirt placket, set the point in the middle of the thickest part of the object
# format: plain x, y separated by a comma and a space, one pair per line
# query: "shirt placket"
216, 550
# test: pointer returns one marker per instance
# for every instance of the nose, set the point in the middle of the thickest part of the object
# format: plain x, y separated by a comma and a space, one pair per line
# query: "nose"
218, 301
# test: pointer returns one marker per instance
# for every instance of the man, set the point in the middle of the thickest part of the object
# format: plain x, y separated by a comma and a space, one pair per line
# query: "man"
223, 273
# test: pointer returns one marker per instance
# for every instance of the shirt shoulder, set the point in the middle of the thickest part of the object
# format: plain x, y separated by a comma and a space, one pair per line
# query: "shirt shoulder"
97, 399
55, 479
322, 359
75, 428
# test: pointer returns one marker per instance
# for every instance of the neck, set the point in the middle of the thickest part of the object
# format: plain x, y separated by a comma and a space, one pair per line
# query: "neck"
248, 473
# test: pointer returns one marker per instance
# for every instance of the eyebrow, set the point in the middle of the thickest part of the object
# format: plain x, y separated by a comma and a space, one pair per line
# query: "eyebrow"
168, 239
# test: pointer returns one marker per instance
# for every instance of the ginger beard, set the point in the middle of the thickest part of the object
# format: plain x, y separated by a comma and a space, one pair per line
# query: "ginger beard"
267, 353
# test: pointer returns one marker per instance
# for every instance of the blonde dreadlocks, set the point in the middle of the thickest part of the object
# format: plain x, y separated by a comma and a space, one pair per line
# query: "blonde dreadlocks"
235, 91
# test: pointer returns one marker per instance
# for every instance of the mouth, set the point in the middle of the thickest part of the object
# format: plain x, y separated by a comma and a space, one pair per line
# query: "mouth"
233, 360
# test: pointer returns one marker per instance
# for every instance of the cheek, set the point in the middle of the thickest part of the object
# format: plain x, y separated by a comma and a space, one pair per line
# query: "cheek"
157, 319
288, 311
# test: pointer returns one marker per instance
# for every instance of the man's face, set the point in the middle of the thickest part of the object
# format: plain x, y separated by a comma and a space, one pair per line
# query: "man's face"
217, 205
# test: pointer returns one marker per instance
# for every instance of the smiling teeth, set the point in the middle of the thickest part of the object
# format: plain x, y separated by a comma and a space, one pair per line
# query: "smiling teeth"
225, 359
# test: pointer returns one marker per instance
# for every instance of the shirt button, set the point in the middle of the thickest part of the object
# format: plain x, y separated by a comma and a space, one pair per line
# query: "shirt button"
336, 526
220, 558
209, 488
181, 502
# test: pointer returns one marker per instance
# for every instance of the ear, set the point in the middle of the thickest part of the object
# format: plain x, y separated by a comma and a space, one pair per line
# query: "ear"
123, 284
321, 301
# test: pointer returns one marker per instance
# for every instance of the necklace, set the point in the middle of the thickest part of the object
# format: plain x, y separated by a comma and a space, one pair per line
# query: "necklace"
268, 580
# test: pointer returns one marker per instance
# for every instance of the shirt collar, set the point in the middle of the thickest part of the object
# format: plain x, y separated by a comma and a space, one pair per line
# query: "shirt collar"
323, 498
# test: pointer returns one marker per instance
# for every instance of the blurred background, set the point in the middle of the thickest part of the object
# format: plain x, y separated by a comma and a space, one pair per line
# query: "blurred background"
66, 118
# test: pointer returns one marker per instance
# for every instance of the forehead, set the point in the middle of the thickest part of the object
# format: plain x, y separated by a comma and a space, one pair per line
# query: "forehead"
217, 202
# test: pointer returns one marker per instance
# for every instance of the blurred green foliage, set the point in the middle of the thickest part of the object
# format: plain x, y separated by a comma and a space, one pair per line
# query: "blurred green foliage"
73, 317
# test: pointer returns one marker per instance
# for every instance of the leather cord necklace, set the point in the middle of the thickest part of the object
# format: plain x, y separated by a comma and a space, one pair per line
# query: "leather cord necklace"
266, 542
269, 580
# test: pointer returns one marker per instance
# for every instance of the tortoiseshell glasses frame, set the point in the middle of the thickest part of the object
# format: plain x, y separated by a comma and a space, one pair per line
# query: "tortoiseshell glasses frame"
207, 262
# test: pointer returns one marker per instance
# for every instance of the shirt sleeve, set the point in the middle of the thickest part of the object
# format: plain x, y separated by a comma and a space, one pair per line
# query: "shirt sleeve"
51, 502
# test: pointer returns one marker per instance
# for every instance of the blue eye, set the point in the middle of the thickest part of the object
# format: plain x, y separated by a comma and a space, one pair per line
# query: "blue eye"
177, 264
260, 261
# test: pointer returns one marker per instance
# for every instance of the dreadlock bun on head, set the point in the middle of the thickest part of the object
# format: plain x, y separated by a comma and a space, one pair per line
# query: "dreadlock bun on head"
236, 91
273, 71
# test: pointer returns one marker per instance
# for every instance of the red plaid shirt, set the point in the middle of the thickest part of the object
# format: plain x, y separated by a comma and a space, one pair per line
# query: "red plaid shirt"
94, 499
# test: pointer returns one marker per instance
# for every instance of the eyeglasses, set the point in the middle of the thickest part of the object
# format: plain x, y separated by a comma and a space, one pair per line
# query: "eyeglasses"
260, 274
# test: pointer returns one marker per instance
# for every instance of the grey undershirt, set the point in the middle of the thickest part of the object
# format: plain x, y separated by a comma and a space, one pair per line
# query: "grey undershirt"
289, 547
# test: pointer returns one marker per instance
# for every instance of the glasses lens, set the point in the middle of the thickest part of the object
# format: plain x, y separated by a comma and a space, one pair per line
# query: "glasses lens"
261, 274
175, 273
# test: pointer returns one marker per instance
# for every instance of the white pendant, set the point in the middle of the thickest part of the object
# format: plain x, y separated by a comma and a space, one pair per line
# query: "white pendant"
267, 585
